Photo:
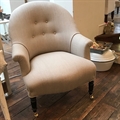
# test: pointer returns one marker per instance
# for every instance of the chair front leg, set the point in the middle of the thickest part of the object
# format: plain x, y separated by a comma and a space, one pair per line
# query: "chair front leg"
91, 86
34, 106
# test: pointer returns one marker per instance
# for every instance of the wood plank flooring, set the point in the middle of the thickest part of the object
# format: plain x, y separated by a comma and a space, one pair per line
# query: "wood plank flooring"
72, 105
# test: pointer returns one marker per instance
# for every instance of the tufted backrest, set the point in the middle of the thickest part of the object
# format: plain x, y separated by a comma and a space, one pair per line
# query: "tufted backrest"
42, 27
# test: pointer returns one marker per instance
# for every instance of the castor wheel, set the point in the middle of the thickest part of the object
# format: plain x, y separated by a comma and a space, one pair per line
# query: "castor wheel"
92, 97
35, 114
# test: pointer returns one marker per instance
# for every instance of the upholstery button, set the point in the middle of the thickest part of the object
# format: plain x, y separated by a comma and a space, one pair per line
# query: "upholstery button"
54, 32
46, 21
43, 33
35, 22
33, 36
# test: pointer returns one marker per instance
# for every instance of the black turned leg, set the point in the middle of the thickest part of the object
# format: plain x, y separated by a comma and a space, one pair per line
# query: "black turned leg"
117, 10
91, 86
106, 19
34, 106
112, 15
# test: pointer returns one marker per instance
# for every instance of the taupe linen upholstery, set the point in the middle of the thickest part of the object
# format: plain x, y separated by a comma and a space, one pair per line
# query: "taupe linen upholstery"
53, 55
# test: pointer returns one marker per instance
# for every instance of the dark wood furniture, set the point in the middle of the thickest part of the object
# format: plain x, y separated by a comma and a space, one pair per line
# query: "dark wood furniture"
106, 17
114, 38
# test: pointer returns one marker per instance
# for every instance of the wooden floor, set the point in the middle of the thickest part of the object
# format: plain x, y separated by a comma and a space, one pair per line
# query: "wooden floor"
72, 105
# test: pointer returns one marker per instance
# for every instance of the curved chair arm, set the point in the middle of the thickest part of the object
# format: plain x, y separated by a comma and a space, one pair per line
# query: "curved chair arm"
80, 45
21, 55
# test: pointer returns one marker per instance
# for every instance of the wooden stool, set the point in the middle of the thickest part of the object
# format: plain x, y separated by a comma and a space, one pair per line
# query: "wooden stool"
3, 102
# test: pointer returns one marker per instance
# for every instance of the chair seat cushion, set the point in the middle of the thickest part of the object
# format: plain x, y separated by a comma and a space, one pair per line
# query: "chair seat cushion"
57, 72
117, 3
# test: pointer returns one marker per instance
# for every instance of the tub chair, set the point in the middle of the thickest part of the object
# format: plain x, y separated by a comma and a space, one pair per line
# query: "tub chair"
54, 57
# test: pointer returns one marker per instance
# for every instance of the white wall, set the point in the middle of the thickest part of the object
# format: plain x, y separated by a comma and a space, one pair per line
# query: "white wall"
67, 4
8, 6
15, 3
5, 4
38, 0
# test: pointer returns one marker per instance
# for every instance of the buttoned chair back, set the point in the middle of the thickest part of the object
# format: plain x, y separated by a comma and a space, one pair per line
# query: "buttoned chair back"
44, 28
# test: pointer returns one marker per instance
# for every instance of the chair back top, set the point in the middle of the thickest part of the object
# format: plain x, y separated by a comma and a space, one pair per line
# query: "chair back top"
42, 27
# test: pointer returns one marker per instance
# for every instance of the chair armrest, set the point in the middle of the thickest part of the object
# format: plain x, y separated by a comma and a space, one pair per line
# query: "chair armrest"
80, 45
20, 55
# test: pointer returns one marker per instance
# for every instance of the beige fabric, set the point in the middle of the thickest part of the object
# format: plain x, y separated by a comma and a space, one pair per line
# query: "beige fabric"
58, 72
21, 55
117, 3
2, 62
80, 45
49, 49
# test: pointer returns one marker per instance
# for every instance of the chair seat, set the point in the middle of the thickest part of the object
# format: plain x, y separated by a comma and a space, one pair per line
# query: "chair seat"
57, 72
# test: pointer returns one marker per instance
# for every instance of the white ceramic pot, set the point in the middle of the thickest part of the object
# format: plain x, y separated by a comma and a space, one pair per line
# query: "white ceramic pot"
103, 61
